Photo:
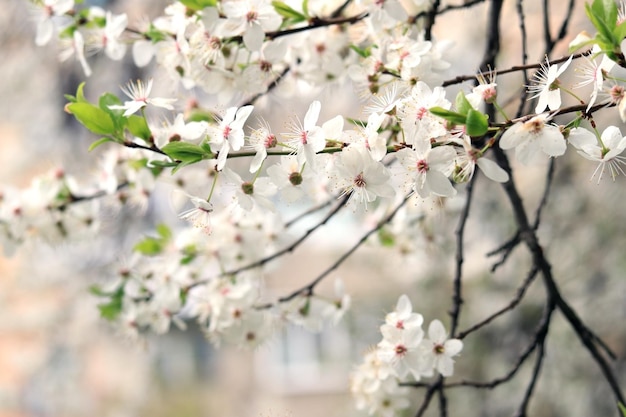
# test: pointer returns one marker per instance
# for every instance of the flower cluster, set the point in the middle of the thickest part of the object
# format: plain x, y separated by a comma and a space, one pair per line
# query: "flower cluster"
169, 281
405, 351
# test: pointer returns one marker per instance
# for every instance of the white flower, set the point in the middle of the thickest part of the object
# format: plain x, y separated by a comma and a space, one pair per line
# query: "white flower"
180, 131
200, 215
440, 350
608, 152
45, 26
307, 138
229, 133
403, 317
401, 349
414, 113
430, 168
547, 86
289, 178
360, 176
139, 94
252, 193
533, 137
468, 158
253, 18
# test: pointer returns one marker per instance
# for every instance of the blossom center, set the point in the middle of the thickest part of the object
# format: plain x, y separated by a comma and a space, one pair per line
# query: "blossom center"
438, 349
359, 180
421, 112
422, 166
401, 350
270, 141
252, 16
247, 188
227, 130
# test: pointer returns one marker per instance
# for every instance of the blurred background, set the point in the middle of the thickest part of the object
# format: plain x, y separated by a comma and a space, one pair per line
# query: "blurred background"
58, 358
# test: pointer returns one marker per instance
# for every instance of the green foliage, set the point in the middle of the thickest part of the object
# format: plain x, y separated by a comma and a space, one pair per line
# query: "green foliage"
93, 118
603, 16
187, 153
476, 123
113, 307
622, 408
138, 127
363, 52
290, 15
386, 238
196, 5
151, 246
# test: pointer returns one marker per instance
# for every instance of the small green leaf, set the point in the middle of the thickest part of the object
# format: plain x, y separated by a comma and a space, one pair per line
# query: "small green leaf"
287, 12
600, 20
93, 118
138, 127
462, 105
80, 95
454, 117
111, 309
162, 164
185, 152
363, 53
164, 231
98, 143
476, 123
386, 238
305, 7
96, 290
622, 408
196, 5
620, 32
206, 147
150, 246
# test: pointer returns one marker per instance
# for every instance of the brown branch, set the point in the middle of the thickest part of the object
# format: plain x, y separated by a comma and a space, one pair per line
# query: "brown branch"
521, 291
457, 299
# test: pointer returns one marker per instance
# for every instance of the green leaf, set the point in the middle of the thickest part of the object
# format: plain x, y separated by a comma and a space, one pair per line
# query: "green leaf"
462, 105
206, 147
98, 143
196, 5
476, 123
150, 246
386, 238
620, 32
138, 127
93, 118
111, 309
363, 53
287, 12
598, 17
454, 117
186, 152
162, 164
622, 408
164, 231
96, 290
154, 34
305, 7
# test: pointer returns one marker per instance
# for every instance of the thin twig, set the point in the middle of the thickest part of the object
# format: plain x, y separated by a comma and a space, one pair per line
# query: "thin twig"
521, 291
457, 299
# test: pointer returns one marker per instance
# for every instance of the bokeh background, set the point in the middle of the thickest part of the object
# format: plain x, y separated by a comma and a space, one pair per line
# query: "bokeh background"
58, 358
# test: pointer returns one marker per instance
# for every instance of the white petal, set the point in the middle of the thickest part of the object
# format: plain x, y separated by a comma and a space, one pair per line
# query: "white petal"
453, 347
436, 332
552, 142
403, 307
492, 170
253, 37
310, 119
439, 184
